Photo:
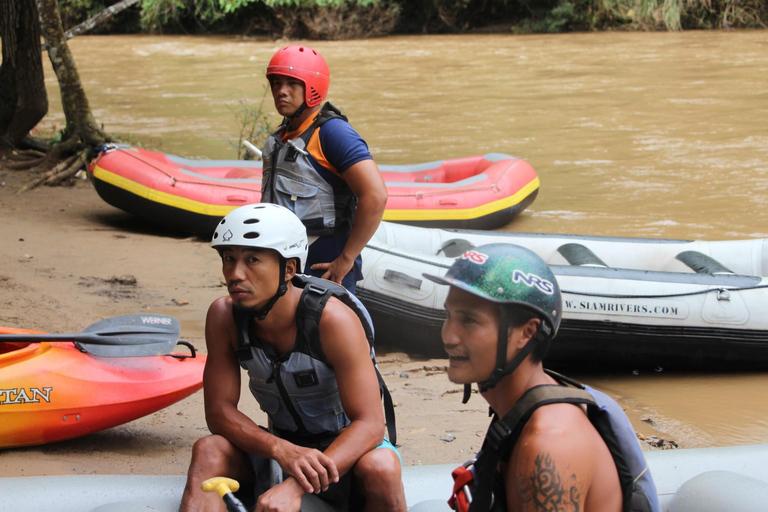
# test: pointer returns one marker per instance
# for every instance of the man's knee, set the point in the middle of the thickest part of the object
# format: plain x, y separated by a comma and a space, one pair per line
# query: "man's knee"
378, 475
212, 450
380, 465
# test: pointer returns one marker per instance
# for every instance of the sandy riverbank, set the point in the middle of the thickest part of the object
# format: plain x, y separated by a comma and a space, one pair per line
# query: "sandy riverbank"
64, 259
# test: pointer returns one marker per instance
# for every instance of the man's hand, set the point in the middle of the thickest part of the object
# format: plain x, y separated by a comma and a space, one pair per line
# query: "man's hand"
336, 270
313, 470
284, 497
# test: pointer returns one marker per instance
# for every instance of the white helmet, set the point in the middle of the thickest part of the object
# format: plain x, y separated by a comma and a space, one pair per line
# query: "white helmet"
264, 225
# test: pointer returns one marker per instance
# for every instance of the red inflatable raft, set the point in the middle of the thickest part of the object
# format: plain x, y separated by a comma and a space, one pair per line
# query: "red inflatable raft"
477, 192
53, 391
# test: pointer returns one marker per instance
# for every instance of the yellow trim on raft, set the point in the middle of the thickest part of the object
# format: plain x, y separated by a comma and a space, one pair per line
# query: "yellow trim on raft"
161, 197
390, 215
464, 213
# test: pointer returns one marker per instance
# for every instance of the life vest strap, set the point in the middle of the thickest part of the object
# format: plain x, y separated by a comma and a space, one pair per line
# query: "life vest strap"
315, 296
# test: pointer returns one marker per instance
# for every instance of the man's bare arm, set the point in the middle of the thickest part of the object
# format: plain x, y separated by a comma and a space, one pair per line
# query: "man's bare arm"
546, 488
348, 351
549, 470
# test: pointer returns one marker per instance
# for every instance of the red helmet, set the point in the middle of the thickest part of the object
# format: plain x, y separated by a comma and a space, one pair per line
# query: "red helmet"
305, 64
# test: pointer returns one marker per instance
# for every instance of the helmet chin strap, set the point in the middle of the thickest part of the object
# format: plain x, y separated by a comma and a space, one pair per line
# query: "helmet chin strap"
502, 367
290, 119
281, 289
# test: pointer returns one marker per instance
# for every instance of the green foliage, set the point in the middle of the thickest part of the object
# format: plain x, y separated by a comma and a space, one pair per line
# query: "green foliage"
76, 11
570, 15
333, 19
344, 19
157, 14
321, 3
230, 6
559, 16
430, 16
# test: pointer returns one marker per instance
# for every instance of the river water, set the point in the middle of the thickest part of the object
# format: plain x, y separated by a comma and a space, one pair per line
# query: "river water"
632, 134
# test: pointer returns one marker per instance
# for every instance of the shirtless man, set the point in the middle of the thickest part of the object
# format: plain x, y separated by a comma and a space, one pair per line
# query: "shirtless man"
504, 307
316, 381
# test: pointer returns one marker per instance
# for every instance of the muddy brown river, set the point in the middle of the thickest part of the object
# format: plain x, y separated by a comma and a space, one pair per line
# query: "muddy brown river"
632, 134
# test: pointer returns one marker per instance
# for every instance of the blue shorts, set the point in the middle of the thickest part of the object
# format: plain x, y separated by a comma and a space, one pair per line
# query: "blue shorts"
326, 249
386, 444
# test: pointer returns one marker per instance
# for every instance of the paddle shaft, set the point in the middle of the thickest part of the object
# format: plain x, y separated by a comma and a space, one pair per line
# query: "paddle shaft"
93, 339
252, 149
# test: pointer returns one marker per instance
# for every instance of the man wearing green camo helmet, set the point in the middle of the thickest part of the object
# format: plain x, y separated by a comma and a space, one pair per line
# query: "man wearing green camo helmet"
503, 308
525, 288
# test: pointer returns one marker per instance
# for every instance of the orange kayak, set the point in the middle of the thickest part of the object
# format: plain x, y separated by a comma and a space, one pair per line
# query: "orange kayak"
52, 391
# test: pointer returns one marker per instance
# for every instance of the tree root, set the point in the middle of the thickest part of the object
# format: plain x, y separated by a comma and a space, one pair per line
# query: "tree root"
22, 164
67, 172
60, 172
30, 154
35, 144
21, 160
23, 155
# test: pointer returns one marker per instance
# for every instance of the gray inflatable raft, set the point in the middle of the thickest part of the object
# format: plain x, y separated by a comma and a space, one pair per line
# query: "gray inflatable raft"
695, 480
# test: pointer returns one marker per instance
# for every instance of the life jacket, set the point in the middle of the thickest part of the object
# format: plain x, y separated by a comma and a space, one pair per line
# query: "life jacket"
484, 484
290, 180
298, 389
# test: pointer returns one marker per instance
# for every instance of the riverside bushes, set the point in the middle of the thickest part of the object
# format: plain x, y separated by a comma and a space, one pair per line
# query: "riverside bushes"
351, 19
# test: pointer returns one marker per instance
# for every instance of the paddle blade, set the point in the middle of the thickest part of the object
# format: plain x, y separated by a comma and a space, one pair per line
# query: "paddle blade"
136, 335
133, 335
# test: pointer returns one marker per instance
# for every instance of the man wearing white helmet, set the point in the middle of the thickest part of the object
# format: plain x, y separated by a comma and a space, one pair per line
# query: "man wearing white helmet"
305, 343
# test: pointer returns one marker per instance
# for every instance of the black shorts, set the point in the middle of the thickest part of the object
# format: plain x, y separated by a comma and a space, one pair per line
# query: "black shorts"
337, 498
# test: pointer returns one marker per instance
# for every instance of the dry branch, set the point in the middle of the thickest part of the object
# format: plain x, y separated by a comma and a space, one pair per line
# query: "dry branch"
91, 22
22, 165
61, 167
27, 154
68, 171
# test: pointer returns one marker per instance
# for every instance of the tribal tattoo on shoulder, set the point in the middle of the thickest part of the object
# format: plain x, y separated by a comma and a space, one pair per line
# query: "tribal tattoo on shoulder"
544, 490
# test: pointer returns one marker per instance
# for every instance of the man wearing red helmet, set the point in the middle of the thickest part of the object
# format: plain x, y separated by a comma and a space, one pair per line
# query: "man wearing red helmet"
317, 165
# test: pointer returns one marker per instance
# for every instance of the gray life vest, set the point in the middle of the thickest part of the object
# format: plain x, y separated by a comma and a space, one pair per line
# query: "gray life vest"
298, 389
608, 418
290, 180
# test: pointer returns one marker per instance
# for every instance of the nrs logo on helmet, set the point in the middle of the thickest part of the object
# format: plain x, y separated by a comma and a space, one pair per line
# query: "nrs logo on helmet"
531, 280
475, 257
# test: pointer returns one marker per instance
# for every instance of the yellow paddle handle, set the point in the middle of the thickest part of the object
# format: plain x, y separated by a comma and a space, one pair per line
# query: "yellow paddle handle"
221, 485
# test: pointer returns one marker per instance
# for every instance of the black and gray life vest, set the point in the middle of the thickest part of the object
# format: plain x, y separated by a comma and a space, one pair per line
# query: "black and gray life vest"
290, 180
298, 389
610, 421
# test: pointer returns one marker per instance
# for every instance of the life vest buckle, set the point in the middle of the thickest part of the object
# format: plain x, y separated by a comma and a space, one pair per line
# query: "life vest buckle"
313, 288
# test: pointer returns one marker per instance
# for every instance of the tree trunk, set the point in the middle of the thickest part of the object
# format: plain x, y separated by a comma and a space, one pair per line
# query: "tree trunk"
81, 126
23, 98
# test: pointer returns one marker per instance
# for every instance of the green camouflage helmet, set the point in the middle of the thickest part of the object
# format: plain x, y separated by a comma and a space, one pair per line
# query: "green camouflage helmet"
508, 274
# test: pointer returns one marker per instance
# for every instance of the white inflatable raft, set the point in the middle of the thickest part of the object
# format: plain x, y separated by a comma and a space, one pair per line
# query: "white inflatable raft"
699, 480
628, 301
